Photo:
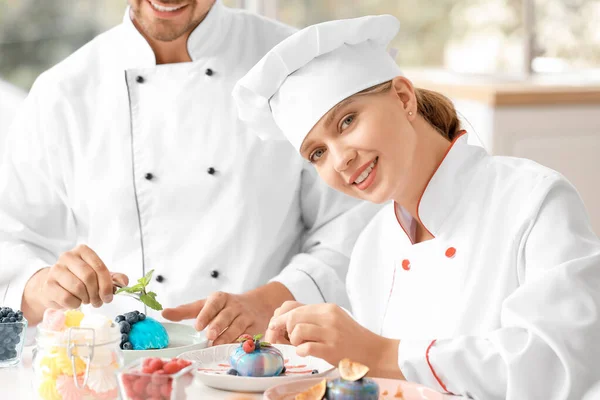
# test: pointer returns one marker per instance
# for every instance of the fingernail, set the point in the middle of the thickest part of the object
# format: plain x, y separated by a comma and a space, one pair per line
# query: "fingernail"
107, 298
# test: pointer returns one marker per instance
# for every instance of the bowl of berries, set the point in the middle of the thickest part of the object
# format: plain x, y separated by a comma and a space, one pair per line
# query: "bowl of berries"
156, 378
13, 327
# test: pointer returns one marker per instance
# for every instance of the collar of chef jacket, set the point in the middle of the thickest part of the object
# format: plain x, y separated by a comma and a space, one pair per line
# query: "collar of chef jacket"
207, 35
445, 188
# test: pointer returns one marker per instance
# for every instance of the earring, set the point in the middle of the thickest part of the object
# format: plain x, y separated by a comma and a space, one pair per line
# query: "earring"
410, 113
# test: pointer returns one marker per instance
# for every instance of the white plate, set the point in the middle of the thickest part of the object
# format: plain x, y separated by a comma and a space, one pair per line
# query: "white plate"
210, 358
182, 338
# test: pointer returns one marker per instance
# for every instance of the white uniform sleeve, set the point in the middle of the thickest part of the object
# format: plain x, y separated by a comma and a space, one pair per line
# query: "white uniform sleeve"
547, 346
35, 223
333, 222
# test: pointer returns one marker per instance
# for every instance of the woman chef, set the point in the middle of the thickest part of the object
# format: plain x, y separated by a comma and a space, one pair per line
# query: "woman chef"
481, 277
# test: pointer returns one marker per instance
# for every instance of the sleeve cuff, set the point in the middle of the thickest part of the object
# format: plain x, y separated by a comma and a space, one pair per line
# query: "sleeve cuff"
301, 284
416, 361
13, 289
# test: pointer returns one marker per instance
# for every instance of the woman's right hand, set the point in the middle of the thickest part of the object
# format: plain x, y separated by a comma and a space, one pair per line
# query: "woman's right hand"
278, 336
78, 277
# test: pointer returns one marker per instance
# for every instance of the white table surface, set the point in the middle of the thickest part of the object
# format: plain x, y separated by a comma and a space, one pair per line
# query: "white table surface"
17, 382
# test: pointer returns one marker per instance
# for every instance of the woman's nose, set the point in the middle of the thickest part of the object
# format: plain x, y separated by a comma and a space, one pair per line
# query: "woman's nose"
343, 158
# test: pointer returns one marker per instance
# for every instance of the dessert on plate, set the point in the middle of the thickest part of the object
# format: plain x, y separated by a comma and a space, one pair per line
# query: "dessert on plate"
139, 332
351, 385
255, 358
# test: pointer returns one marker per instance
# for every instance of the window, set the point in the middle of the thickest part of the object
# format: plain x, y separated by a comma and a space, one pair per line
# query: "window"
467, 36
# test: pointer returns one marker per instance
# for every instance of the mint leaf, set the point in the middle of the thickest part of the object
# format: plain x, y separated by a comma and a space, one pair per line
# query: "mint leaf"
132, 289
145, 280
258, 337
149, 299
265, 344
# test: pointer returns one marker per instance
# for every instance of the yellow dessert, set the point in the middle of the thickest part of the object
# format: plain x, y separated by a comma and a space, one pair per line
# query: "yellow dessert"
47, 390
73, 318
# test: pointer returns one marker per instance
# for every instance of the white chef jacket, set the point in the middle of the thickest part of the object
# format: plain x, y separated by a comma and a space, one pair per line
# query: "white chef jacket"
149, 166
509, 288
11, 98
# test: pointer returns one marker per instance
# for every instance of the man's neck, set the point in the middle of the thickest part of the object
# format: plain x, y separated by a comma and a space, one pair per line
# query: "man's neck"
175, 51
171, 52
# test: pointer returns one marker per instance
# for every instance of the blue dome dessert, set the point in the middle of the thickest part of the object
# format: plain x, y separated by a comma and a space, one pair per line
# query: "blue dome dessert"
139, 332
362, 389
255, 358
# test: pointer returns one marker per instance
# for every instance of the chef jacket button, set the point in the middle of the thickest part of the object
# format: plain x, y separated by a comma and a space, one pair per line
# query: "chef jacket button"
159, 278
450, 252
405, 265
211, 171
149, 176
208, 72
214, 273
139, 79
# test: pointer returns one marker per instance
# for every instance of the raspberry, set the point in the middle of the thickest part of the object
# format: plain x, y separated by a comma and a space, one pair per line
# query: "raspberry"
245, 336
139, 387
172, 367
159, 377
248, 346
165, 389
151, 388
184, 363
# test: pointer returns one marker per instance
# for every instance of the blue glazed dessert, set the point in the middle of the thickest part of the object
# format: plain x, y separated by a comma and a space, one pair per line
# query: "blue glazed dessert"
255, 358
139, 332
352, 385
362, 389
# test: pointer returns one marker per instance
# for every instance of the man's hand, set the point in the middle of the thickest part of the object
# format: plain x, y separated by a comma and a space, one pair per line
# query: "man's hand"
226, 316
280, 336
78, 277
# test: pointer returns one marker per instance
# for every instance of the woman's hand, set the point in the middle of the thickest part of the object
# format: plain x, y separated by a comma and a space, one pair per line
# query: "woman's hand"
280, 336
327, 331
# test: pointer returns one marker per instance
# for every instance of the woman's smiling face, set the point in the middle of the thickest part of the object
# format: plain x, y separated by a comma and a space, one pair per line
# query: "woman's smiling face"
366, 146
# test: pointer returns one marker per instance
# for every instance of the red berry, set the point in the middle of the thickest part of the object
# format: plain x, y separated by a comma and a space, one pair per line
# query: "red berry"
184, 363
159, 377
245, 336
165, 389
151, 388
171, 367
248, 346
139, 387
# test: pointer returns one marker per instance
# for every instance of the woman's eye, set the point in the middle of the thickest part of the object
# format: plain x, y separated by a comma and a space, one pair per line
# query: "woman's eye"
315, 155
346, 122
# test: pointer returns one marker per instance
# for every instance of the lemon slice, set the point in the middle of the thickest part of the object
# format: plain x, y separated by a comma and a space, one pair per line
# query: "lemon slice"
352, 371
316, 392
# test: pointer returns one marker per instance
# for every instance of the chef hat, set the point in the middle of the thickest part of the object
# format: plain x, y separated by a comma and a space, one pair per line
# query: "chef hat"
307, 74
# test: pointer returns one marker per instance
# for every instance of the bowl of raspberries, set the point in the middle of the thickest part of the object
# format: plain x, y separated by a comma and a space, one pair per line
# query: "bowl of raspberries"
12, 336
156, 378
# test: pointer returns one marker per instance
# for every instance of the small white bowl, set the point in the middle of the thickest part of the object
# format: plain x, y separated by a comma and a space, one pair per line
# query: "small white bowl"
182, 338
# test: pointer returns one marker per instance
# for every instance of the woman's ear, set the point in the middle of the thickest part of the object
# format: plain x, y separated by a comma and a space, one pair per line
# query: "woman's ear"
405, 91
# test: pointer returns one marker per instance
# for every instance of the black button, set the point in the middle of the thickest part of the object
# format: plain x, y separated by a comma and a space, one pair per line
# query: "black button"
214, 273
211, 171
208, 72
139, 79
159, 278
149, 176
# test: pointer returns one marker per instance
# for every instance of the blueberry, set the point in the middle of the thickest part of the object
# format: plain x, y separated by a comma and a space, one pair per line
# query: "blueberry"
257, 345
11, 315
315, 371
7, 340
119, 318
11, 354
12, 319
136, 312
3, 313
142, 316
127, 346
124, 337
124, 327
19, 317
232, 372
1, 328
131, 319
3, 320
18, 329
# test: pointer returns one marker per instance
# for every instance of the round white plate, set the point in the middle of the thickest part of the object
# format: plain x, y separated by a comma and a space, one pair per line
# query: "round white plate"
211, 357
182, 338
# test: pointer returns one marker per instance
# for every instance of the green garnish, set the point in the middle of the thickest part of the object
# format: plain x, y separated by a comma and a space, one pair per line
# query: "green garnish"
148, 298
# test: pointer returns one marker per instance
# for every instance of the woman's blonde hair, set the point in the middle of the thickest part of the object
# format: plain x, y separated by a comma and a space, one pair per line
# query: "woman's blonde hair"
434, 107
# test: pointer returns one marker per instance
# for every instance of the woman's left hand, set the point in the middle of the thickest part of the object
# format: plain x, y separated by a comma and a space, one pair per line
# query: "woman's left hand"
327, 331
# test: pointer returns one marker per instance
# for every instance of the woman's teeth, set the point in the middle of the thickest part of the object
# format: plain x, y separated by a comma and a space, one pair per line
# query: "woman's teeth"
366, 172
158, 7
